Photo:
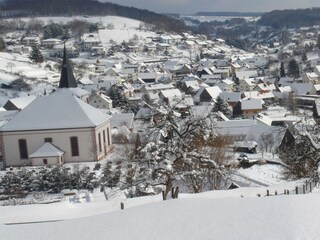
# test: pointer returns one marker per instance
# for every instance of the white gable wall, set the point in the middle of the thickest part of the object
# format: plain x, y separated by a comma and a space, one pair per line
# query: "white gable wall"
87, 142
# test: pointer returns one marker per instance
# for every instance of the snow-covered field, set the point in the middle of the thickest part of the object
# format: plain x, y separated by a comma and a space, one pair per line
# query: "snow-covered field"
210, 215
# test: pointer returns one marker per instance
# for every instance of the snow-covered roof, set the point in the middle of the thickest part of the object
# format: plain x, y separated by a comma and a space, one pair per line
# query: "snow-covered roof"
251, 103
22, 102
235, 127
5, 116
59, 110
171, 93
230, 96
122, 119
302, 88
47, 150
213, 91
246, 74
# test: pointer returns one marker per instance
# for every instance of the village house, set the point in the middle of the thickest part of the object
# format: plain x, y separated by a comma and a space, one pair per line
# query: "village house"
50, 42
100, 100
247, 108
31, 41
18, 103
207, 94
90, 40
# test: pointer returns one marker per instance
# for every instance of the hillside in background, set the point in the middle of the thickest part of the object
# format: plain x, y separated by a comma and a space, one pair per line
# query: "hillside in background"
91, 7
231, 14
291, 18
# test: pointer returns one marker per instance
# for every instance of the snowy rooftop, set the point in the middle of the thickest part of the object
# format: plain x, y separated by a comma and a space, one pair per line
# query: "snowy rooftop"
56, 111
47, 150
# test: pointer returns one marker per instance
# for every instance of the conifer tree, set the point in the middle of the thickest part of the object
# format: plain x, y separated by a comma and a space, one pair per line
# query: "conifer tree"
221, 106
293, 69
117, 97
282, 70
36, 55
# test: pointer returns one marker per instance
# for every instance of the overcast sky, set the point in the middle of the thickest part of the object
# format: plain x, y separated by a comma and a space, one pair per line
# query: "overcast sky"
193, 6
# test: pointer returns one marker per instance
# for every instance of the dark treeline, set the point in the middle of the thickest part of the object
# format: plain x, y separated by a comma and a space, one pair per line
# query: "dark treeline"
92, 7
291, 18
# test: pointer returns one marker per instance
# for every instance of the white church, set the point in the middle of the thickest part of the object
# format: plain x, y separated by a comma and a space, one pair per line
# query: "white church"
56, 129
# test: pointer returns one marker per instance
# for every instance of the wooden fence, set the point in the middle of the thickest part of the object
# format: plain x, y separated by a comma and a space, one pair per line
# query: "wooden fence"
304, 188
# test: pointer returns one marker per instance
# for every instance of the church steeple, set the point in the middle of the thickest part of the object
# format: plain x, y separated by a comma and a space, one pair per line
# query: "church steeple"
67, 79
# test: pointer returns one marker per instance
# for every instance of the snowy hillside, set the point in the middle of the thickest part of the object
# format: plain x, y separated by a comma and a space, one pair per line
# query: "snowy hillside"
123, 28
211, 215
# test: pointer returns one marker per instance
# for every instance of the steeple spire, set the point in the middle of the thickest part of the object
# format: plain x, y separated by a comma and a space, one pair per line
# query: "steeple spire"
67, 79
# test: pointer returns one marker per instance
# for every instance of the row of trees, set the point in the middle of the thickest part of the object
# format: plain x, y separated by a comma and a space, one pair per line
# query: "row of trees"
48, 179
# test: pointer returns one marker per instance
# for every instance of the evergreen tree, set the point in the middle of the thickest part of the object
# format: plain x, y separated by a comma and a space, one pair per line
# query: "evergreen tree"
117, 97
54, 30
302, 159
282, 70
2, 44
36, 55
304, 57
221, 106
293, 69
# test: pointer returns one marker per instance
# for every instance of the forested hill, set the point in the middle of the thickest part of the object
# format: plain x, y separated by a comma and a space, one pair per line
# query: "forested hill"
92, 7
291, 18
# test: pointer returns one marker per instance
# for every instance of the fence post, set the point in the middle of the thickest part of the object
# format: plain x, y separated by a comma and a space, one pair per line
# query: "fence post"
176, 192
288, 192
310, 186
163, 196
172, 193
304, 189
285, 192
267, 193
306, 185
275, 192
122, 205
296, 189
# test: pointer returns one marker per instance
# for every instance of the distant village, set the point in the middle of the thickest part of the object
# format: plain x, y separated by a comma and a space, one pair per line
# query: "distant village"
258, 97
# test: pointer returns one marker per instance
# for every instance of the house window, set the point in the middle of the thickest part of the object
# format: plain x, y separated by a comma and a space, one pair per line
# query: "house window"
104, 136
99, 139
48, 140
74, 146
108, 136
23, 148
45, 161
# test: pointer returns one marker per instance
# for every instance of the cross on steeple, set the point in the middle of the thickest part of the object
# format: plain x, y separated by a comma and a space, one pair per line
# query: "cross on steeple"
67, 79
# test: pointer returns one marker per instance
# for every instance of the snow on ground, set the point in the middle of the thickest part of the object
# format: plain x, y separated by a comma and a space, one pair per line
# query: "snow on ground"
15, 65
268, 174
123, 28
118, 22
123, 34
210, 215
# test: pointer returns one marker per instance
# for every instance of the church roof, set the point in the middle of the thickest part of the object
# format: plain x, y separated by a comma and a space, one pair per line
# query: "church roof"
67, 79
60, 110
